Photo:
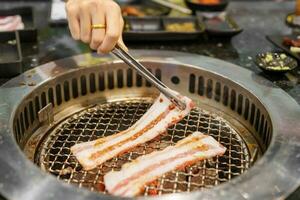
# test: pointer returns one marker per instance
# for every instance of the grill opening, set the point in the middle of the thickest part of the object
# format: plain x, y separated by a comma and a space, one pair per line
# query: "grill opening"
229, 113
66, 91
92, 83
106, 119
192, 83
58, 95
120, 78
44, 99
74, 88
139, 80
218, 92
83, 85
209, 89
111, 80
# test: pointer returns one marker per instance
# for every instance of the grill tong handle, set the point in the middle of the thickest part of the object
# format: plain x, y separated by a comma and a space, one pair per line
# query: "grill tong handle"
142, 70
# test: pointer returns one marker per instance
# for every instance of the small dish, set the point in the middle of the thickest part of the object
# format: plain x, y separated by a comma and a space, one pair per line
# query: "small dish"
162, 28
222, 25
277, 40
275, 62
145, 24
11, 55
289, 20
196, 5
144, 10
183, 25
29, 33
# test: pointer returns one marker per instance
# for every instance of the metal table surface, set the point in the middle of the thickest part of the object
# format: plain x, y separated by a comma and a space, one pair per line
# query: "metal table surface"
257, 18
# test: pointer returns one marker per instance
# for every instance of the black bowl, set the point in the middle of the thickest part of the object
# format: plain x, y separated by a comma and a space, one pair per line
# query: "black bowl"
267, 66
289, 20
207, 7
222, 27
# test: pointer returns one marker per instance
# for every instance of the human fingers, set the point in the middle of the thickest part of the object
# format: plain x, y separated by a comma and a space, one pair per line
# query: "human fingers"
73, 20
113, 28
120, 41
97, 34
85, 20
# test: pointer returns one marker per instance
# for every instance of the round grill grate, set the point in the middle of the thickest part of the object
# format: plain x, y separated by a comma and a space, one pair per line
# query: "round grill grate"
102, 120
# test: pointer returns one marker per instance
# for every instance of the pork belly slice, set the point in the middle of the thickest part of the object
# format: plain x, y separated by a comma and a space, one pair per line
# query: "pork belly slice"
162, 114
131, 179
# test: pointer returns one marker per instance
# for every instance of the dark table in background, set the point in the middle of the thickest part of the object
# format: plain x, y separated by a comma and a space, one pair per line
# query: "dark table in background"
257, 18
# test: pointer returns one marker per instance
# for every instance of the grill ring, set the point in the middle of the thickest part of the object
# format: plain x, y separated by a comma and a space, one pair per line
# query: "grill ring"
280, 146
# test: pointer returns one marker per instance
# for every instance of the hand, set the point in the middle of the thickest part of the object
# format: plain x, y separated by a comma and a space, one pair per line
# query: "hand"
82, 14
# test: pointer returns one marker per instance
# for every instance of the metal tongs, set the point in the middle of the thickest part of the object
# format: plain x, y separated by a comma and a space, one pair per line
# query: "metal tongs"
142, 70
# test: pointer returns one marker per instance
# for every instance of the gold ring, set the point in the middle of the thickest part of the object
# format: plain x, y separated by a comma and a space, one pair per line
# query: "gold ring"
98, 26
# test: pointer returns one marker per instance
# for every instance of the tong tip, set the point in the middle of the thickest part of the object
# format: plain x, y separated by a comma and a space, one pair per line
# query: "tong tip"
179, 104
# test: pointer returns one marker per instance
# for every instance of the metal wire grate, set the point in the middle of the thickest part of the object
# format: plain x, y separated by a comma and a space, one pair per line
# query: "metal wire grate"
106, 119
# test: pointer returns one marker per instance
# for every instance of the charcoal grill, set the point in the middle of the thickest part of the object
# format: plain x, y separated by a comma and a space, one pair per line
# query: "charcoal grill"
46, 110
